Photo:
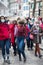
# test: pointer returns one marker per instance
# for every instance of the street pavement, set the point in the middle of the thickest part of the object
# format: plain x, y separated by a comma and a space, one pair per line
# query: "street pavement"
41, 45
31, 59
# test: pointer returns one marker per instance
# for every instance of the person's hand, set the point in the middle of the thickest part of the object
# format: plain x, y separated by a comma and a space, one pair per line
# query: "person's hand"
24, 40
40, 34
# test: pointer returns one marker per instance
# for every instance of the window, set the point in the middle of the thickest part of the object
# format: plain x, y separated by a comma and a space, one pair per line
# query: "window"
32, 5
14, 6
26, 8
1, 0
25, 1
40, 4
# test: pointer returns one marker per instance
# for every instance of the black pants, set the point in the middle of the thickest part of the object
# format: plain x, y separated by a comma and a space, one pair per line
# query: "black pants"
14, 48
29, 43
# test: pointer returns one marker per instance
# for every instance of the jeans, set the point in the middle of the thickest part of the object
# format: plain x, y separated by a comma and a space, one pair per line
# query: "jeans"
0, 45
5, 45
21, 46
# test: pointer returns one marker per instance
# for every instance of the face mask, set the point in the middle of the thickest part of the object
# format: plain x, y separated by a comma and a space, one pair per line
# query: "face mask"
31, 23
2, 20
37, 26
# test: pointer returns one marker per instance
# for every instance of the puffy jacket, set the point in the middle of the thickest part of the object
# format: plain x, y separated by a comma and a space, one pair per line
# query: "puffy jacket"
4, 31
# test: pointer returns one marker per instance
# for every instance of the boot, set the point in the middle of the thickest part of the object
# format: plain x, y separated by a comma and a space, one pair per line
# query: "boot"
36, 55
40, 55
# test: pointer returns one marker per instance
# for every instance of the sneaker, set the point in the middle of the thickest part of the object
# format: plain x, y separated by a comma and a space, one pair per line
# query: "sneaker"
8, 61
24, 60
20, 59
5, 60
15, 54
31, 49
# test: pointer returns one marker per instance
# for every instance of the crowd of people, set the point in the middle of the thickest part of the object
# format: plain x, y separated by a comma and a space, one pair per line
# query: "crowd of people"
19, 33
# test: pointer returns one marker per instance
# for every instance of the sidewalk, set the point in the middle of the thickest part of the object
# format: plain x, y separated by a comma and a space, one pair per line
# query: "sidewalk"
31, 59
41, 45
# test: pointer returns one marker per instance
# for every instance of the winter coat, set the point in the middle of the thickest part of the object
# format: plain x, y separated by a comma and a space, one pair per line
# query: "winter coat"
21, 31
36, 32
4, 31
11, 28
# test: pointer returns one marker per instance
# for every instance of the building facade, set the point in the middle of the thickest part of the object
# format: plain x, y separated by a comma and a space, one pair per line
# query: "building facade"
22, 8
42, 9
38, 10
25, 8
4, 7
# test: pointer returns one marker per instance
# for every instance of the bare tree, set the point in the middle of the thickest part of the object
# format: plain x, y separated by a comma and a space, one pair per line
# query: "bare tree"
34, 8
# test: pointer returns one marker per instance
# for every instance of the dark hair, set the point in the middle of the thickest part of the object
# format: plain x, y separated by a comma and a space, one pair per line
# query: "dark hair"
21, 22
0, 18
18, 18
3, 17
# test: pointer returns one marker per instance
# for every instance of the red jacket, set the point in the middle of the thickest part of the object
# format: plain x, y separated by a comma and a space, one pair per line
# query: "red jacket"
11, 27
4, 31
27, 30
21, 31
41, 26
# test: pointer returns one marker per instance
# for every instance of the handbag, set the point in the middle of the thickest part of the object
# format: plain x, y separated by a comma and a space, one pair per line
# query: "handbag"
31, 36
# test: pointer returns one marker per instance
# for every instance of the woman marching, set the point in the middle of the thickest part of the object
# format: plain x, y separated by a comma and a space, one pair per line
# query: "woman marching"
12, 34
4, 39
36, 31
20, 40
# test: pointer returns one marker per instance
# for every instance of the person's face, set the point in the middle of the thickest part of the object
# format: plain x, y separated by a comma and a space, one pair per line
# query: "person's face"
14, 22
31, 23
2, 19
37, 23
5, 18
